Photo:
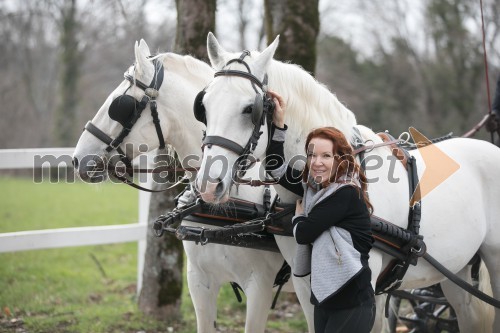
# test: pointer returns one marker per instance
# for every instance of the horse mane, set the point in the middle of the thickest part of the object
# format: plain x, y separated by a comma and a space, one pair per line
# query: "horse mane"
310, 104
191, 65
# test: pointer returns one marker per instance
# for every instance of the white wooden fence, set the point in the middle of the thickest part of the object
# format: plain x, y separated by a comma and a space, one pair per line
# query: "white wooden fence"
66, 237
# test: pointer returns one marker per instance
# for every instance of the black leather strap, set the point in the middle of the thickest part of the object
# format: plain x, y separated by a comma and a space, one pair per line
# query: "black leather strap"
150, 94
245, 75
109, 141
156, 122
243, 152
96, 131
223, 142
461, 283
156, 82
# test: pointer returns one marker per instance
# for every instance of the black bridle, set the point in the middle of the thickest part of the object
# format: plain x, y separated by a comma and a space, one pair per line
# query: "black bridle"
128, 117
268, 108
150, 95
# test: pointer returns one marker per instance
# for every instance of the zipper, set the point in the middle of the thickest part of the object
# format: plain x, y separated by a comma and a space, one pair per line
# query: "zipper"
339, 255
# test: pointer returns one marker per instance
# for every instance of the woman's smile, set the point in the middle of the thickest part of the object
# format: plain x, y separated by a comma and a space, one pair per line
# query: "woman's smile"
321, 159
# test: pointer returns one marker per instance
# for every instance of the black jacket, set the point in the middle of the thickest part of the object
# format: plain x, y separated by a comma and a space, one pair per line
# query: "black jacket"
345, 209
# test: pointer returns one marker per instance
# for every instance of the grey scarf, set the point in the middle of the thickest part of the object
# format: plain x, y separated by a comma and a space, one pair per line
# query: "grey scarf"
332, 258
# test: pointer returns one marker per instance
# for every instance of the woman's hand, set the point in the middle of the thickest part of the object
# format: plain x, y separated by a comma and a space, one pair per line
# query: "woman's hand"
299, 208
279, 110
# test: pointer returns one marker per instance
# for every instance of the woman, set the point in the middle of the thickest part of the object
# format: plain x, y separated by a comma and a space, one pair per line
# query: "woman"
331, 226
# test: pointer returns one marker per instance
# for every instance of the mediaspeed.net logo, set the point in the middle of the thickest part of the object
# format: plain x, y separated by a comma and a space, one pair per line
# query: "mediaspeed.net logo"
438, 166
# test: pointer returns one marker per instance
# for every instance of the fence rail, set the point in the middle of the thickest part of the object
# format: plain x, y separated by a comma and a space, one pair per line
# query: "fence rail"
68, 237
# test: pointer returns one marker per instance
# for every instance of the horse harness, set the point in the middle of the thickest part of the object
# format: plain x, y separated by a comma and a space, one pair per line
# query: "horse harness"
126, 110
406, 245
242, 223
261, 112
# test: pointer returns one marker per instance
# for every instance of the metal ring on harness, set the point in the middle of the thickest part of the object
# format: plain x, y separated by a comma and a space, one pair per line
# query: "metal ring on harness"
404, 141
203, 240
367, 150
159, 231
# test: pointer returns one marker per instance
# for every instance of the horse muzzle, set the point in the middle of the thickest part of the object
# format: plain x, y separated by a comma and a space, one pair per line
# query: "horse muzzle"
91, 168
212, 191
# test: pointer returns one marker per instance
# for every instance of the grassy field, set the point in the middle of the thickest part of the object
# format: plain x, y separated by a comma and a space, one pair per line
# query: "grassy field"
63, 290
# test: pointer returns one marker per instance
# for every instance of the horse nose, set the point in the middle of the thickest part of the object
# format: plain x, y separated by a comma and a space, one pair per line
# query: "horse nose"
75, 162
211, 190
220, 187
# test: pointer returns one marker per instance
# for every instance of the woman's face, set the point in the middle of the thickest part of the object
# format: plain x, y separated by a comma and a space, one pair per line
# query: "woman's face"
321, 160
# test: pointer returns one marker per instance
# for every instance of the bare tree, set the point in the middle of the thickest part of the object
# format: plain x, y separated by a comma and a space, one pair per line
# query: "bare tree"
297, 23
162, 275
195, 18
71, 58
27, 66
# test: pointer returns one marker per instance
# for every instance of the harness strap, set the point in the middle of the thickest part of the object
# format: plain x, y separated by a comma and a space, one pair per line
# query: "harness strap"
156, 122
96, 131
108, 140
151, 92
461, 283
281, 278
223, 142
236, 289
392, 277
249, 76
134, 185
249, 148
369, 148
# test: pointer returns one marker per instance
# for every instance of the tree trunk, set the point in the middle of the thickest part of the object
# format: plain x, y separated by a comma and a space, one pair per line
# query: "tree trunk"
71, 61
195, 19
162, 275
297, 23
161, 289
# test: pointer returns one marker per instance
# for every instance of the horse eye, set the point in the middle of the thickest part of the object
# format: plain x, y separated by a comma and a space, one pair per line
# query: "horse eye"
248, 109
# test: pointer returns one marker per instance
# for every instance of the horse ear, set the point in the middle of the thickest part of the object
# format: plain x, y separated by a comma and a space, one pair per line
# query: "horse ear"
215, 52
141, 55
262, 61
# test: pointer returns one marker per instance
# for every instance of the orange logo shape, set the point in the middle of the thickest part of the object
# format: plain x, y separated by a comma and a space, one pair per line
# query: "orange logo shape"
438, 166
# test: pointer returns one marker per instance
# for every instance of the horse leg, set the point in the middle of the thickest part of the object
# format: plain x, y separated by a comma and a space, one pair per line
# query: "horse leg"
375, 263
302, 286
203, 290
473, 314
380, 324
259, 294
491, 258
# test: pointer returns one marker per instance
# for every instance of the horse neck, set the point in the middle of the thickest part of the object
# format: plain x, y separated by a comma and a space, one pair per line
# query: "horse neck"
184, 78
309, 105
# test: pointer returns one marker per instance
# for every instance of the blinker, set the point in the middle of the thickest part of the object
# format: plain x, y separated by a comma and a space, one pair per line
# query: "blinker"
122, 109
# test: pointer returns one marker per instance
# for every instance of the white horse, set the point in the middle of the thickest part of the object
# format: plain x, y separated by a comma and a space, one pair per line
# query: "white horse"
208, 266
460, 217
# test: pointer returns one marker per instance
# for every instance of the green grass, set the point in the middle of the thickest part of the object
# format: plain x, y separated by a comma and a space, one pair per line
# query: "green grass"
63, 290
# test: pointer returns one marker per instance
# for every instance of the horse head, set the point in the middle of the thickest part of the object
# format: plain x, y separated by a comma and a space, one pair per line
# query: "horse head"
143, 113
237, 111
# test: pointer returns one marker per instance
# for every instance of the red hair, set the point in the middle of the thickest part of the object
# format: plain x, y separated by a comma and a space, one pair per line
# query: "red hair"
346, 162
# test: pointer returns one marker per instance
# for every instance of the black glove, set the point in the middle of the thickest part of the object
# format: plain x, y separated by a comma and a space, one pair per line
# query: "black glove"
491, 124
